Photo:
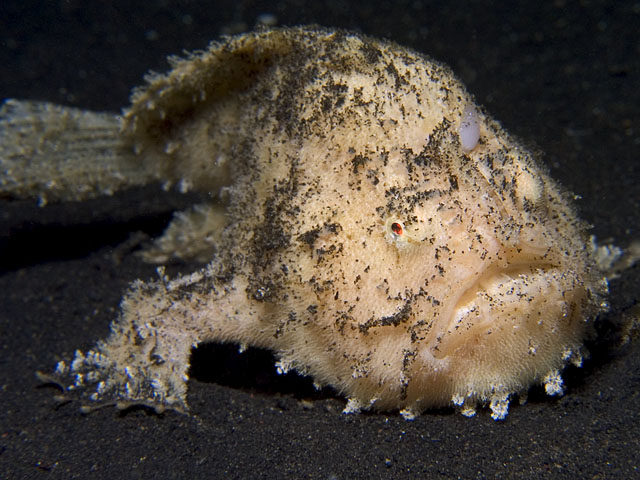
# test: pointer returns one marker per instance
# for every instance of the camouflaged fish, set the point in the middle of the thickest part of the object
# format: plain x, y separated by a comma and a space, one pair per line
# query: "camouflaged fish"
367, 222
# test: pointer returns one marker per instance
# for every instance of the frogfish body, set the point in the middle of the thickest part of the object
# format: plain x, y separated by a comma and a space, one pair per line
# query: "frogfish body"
365, 221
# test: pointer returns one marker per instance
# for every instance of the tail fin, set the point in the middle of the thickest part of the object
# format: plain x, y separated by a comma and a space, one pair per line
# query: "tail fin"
55, 153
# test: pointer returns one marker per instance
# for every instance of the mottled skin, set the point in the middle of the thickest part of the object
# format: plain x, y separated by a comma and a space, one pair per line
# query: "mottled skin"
348, 232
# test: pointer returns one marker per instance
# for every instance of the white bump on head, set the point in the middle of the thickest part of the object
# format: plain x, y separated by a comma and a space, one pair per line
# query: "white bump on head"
469, 129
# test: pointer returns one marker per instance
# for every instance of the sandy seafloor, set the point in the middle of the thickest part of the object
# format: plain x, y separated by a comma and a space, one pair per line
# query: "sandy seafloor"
563, 76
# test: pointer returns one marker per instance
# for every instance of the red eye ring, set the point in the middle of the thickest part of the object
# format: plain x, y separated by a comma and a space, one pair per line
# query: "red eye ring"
396, 228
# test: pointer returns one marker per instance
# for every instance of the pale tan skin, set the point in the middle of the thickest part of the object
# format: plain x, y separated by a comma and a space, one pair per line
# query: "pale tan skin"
349, 231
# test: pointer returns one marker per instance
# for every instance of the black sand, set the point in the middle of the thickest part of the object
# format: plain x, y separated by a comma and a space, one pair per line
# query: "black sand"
563, 77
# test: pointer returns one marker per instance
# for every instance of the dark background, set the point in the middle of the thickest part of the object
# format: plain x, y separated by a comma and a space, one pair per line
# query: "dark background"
563, 76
